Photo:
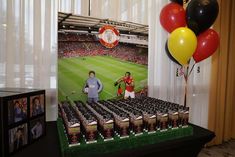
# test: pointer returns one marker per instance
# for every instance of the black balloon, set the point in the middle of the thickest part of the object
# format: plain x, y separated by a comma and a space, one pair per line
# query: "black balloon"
181, 2
169, 54
201, 14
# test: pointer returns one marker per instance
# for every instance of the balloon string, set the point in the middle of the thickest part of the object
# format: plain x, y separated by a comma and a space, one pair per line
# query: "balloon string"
186, 72
186, 75
185, 94
186, 85
184, 4
191, 69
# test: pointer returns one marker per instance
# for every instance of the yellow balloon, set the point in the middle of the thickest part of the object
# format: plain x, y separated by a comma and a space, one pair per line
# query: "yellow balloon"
182, 43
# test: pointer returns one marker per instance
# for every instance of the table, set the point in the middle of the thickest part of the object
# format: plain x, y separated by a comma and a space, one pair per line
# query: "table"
184, 147
190, 145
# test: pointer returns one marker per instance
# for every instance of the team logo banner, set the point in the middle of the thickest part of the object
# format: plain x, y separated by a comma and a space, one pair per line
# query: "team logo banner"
109, 36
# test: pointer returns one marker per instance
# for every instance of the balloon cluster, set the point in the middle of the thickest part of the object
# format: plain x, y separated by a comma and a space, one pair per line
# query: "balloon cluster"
190, 32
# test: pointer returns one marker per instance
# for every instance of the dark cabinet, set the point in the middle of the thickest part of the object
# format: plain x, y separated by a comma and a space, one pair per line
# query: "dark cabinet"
22, 117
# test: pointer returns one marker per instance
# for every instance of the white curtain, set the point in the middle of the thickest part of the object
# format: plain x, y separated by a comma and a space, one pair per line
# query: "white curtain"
125, 10
162, 79
28, 47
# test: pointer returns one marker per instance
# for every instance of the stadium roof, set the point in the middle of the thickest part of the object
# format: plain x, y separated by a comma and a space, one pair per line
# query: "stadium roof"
68, 21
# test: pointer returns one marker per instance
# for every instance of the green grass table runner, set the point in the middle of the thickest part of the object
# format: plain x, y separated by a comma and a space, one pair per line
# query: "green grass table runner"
103, 147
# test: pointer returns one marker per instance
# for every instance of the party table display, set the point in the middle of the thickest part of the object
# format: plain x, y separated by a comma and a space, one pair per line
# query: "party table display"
168, 114
121, 118
135, 115
114, 125
71, 122
105, 120
88, 121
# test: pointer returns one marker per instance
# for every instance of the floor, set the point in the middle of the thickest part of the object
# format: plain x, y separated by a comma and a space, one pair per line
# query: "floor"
226, 149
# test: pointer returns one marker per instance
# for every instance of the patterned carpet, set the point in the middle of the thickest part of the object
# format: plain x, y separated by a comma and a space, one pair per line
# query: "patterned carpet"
226, 149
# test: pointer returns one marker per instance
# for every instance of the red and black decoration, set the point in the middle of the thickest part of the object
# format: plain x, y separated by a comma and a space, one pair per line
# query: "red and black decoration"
109, 36
198, 16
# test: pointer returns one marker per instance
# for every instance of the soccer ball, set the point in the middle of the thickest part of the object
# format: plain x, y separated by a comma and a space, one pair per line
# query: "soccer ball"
86, 90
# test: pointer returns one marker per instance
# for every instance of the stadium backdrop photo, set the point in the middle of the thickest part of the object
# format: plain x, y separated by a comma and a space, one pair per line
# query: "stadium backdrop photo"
80, 53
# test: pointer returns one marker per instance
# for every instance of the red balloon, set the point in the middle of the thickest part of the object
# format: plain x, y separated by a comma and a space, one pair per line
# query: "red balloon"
172, 16
207, 43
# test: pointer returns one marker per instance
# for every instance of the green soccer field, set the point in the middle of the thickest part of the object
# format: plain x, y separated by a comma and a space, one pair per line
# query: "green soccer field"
73, 72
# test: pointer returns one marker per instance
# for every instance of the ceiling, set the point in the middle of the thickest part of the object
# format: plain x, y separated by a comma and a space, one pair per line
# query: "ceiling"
68, 21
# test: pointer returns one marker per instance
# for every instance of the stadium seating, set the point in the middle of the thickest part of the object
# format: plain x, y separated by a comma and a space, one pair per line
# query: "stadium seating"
73, 45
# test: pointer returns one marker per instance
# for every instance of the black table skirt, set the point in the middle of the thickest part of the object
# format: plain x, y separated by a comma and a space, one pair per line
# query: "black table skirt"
183, 147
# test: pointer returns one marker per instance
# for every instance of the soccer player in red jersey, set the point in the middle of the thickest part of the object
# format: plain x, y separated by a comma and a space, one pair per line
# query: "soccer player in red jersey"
119, 91
129, 85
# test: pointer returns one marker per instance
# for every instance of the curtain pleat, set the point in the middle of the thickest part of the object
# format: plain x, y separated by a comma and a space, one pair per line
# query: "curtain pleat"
28, 47
221, 106
126, 10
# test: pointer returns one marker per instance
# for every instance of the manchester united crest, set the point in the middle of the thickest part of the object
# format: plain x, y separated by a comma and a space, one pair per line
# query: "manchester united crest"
109, 36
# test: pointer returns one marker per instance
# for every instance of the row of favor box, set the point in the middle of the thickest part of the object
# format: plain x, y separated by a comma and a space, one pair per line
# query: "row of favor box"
120, 117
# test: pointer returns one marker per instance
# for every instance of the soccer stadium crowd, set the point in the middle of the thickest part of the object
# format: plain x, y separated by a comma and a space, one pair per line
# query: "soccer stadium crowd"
87, 45
75, 37
142, 92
